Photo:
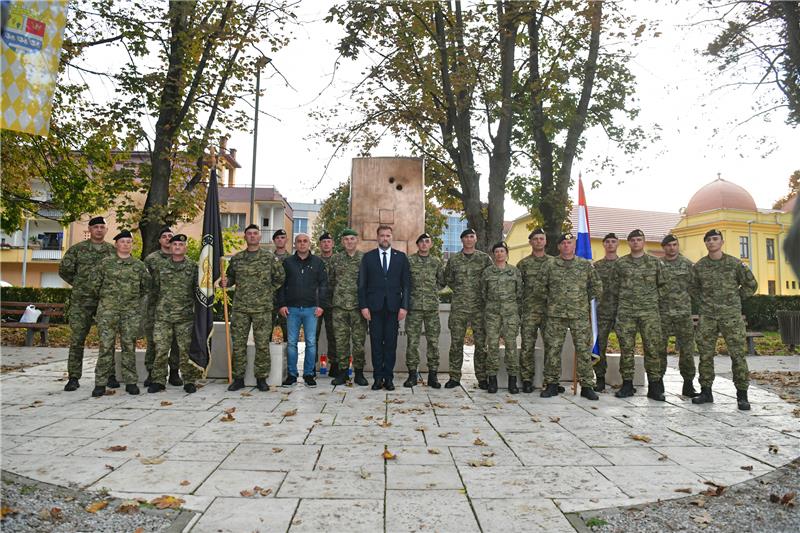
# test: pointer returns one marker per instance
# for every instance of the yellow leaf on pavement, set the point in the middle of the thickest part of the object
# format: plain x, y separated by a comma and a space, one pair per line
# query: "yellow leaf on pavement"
96, 506
167, 502
641, 438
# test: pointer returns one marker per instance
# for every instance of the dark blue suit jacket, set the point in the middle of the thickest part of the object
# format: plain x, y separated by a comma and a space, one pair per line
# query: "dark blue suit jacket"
390, 292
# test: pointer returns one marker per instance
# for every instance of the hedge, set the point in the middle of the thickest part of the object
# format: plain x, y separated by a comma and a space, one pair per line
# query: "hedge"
36, 294
761, 310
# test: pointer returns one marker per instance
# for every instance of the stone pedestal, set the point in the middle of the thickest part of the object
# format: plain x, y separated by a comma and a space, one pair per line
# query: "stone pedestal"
218, 367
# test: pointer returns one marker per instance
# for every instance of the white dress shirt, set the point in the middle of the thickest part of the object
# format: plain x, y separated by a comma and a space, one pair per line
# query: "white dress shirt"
388, 257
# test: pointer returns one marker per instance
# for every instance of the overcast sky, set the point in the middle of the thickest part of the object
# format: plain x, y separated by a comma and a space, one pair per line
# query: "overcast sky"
677, 89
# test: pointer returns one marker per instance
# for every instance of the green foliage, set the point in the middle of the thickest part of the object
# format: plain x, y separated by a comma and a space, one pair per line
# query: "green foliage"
232, 242
794, 188
35, 294
595, 522
334, 216
435, 223
761, 310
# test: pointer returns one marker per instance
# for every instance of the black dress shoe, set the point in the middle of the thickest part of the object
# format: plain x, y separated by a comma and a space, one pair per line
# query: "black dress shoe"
112, 382
359, 379
261, 384
388, 385
378, 384
589, 393
132, 388
451, 384
236, 384
527, 387
411, 380
175, 379
155, 387
98, 391
72, 384
191, 388
433, 382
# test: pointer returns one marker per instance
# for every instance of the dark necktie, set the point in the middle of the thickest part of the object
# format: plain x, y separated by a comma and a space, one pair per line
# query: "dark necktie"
385, 266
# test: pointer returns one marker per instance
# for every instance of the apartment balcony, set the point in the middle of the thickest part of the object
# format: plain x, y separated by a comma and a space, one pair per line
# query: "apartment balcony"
46, 255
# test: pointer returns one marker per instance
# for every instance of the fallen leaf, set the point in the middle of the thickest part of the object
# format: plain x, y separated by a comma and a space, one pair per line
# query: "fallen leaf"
96, 506
773, 448
385, 424
184, 482
138, 530
227, 417
128, 507
699, 502
686, 490
368, 418
110, 467
110, 392
440, 405
277, 450
478, 442
167, 502
389, 456
555, 419
262, 491
246, 493
117, 448
640, 438
714, 489
480, 462
447, 434
245, 394
230, 410
166, 403
362, 397
512, 400
267, 424
56, 514
788, 499
151, 460
433, 451
748, 468
488, 454
535, 419
704, 518
291, 412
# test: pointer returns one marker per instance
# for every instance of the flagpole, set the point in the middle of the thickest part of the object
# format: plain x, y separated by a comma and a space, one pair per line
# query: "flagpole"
227, 323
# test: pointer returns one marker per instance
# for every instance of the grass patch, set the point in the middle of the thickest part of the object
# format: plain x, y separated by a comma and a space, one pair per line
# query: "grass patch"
596, 522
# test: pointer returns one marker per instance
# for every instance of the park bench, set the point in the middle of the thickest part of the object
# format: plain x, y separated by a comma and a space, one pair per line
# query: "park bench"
750, 336
18, 308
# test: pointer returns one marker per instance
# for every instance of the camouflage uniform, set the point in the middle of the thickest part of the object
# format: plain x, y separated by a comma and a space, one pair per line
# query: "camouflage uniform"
720, 286
427, 279
152, 261
636, 283
676, 314
606, 313
327, 317
277, 318
501, 290
175, 284
257, 276
79, 269
462, 274
122, 285
532, 316
569, 286
348, 324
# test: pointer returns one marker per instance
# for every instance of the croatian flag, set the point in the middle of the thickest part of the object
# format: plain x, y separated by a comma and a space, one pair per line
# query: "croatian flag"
583, 248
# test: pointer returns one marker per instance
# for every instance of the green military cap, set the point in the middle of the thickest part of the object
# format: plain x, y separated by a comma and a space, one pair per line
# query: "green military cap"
124, 234
635, 233
537, 231
349, 232
712, 233
278, 233
423, 236
668, 239
610, 236
326, 236
96, 220
468, 231
178, 237
500, 244
253, 226
565, 237
165, 229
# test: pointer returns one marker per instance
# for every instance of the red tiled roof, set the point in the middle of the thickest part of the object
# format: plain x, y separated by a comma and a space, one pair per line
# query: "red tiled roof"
605, 220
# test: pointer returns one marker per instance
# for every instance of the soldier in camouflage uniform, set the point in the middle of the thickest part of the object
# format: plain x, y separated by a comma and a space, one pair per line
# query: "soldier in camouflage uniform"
533, 303
569, 283
427, 279
676, 311
78, 268
122, 282
637, 282
257, 274
279, 239
326, 254
462, 273
175, 284
721, 282
348, 324
606, 307
151, 262
501, 291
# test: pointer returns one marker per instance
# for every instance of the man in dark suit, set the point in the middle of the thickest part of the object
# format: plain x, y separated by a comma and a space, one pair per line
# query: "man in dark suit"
384, 288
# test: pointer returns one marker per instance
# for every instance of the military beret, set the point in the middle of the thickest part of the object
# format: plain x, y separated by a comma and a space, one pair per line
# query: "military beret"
423, 236
537, 231
668, 239
565, 237
253, 226
712, 233
326, 236
500, 244
97, 220
124, 234
468, 231
278, 233
178, 237
635, 233
610, 236
165, 229
349, 232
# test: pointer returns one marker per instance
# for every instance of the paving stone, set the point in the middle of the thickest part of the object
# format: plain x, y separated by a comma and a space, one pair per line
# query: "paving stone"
166, 477
464, 435
342, 455
333, 484
422, 477
570, 505
191, 502
218, 431
773, 455
413, 511
537, 482
233, 482
73, 472
421, 455
172, 418
633, 456
529, 515
555, 448
74, 427
271, 457
364, 435
20, 425
139, 442
353, 516
716, 458
656, 482
50, 445
497, 455
115, 413
235, 515
199, 451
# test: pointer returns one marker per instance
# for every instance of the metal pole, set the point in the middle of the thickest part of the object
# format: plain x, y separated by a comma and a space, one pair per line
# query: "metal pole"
260, 63
25, 237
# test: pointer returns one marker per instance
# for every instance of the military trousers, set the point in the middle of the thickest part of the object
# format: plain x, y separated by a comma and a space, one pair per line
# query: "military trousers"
416, 319
532, 323
165, 332
503, 324
241, 322
330, 338
110, 324
649, 327
150, 354
733, 331
458, 322
604, 328
683, 330
555, 331
350, 330
80, 318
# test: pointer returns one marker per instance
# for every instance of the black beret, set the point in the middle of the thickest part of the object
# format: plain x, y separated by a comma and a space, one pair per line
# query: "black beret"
635, 233
610, 236
278, 233
712, 233
178, 237
468, 231
668, 239
326, 236
124, 234
537, 231
423, 236
165, 229
97, 220
500, 244
252, 226
565, 237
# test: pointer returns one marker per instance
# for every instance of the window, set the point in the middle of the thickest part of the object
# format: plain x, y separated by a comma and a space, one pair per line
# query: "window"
787, 283
771, 287
770, 249
794, 284
229, 220
451, 240
300, 226
744, 247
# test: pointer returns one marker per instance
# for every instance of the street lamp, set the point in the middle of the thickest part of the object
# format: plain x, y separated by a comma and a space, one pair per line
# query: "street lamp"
261, 62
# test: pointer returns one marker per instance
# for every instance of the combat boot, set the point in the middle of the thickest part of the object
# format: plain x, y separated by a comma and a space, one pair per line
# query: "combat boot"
132, 388
72, 384
340, 379
112, 382
601, 384
261, 384
149, 379
550, 390
236, 384
589, 393
482, 384
453, 383
705, 396
491, 384
98, 391
741, 400
527, 386
512, 385
433, 381
654, 390
360, 379
688, 389
155, 387
190, 388
626, 390
175, 378
334, 369
412, 379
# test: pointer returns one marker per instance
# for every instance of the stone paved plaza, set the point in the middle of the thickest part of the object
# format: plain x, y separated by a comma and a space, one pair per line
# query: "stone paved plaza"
458, 460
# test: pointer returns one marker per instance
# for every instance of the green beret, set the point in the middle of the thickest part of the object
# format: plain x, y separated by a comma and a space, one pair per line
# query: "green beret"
348, 232
178, 237
636, 233
712, 233
668, 239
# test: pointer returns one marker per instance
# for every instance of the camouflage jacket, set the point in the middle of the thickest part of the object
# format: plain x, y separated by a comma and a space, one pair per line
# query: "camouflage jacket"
122, 283
501, 289
79, 269
607, 306
175, 284
531, 269
343, 279
463, 275
721, 285
152, 261
636, 283
257, 276
676, 299
327, 261
569, 287
427, 279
